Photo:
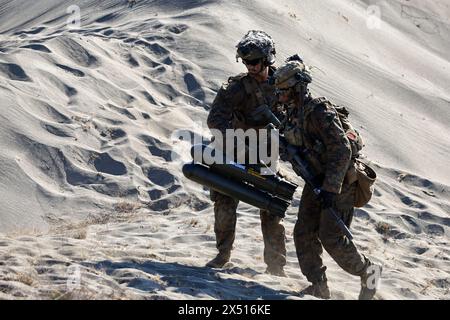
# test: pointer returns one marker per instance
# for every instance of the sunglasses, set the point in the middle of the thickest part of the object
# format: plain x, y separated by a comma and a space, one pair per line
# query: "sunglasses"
282, 91
253, 62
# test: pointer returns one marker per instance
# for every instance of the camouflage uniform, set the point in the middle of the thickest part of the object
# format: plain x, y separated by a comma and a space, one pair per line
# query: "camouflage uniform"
316, 127
232, 109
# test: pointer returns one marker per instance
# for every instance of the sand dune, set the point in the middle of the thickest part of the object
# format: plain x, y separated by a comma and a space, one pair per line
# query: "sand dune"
93, 201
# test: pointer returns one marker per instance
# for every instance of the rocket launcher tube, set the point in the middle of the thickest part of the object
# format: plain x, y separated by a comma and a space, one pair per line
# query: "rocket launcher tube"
235, 189
272, 184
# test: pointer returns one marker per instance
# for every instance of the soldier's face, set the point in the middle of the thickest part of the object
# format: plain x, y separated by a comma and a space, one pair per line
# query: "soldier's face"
254, 67
284, 96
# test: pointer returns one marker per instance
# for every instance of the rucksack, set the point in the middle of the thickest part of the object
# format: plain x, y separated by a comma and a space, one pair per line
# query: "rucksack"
356, 141
360, 172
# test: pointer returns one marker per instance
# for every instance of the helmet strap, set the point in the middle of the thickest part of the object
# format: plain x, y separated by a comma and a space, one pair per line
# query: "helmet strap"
301, 91
263, 66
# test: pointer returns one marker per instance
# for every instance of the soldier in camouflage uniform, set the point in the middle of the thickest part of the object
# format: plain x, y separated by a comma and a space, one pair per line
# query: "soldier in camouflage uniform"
232, 109
315, 126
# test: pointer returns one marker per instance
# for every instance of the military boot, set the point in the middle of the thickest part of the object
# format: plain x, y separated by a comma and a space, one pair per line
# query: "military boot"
220, 260
369, 281
276, 271
318, 289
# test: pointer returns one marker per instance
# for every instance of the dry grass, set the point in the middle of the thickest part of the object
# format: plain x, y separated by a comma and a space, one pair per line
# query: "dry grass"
31, 232
25, 278
383, 228
127, 207
79, 234
123, 211
193, 222
427, 285
22, 277
81, 294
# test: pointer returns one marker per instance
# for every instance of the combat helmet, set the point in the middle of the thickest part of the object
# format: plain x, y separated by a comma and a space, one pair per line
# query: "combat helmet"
291, 74
256, 45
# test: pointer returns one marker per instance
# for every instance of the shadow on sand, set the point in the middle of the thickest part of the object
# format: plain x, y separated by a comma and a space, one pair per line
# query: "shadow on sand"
190, 281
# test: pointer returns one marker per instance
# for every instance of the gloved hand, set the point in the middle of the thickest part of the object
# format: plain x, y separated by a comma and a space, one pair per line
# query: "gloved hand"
327, 198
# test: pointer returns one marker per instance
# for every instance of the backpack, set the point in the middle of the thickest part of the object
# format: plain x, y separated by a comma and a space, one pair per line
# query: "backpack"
360, 171
355, 139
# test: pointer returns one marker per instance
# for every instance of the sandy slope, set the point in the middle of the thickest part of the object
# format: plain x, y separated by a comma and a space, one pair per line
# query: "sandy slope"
88, 184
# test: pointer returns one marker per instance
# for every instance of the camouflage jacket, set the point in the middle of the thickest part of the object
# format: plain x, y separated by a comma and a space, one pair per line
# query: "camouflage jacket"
316, 127
237, 99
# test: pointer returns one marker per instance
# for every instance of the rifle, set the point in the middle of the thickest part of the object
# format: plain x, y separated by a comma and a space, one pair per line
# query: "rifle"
301, 166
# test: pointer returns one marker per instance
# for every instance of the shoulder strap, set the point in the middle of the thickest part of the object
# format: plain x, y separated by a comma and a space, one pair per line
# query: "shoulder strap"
252, 87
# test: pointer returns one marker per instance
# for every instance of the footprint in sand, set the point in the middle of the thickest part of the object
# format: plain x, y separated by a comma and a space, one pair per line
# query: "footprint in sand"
160, 177
49, 112
412, 223
157, 148
149, 97
35, 30
107, 18
104, 163
168, 61
178, 28
150, 63
155, 194
427, 216
408, 201
37, 47
194, 87
420, 250
131, 60
154, 48
62, 86
160, 205
57, 131
165, 39
13, 72
113, 133
74, 51
434, 229
75, 72
362, 214
412, 203
122, 111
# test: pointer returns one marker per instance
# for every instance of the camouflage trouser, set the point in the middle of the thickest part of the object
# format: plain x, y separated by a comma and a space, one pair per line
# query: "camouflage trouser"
225, 227
315, 228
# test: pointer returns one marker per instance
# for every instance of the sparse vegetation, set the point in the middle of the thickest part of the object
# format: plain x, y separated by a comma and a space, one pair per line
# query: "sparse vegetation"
383, 228
126, 207
123, 211
79, 234
25, 278
193, 222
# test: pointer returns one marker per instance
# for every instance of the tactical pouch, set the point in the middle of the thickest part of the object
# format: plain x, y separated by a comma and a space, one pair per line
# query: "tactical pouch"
366, 177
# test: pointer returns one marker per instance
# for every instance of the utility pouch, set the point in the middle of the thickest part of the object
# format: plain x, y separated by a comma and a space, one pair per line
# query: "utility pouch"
366, 177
